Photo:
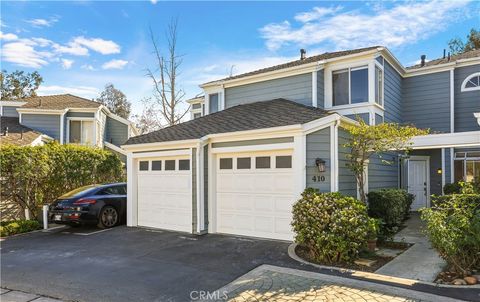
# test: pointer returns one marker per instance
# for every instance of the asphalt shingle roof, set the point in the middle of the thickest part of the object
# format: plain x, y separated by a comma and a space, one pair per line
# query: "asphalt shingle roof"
259, 115
323, 56
466, 55
17, 134
59, 102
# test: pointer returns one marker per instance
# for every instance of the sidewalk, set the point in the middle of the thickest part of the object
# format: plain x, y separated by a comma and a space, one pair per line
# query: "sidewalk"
7, 295
419, 262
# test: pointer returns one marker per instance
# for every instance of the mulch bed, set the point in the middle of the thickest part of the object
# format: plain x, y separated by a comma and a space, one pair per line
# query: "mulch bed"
304, 253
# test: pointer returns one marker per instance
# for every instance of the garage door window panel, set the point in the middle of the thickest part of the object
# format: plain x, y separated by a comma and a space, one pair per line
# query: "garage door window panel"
283, 162
244, 163
226, 163
143, 165
170, 165
262, 162
184, 165
156, 165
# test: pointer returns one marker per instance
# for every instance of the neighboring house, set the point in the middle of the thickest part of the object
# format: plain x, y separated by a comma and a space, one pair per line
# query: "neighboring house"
268, 134
65, 118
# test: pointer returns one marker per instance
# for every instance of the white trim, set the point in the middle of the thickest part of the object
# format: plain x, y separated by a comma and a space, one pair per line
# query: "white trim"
452, 101
464, 83
314, 89
12, 103
160, 145
81, 119
19, 117
161, 153
114, 148
253, 148
452, 169
477, 116
335, 164
332, 158
443, 169
40, 111
446, 140
62, 128
131, 191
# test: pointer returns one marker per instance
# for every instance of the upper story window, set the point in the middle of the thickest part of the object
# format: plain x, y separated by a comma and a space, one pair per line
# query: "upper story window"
350, 86
472, 82
378, 86
81, 132
213, 102
197, 115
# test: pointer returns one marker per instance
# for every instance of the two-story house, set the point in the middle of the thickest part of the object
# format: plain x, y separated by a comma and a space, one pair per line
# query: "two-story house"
266, 135
65, 118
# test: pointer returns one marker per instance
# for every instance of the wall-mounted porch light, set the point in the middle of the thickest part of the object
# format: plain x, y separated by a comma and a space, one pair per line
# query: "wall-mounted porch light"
320, 163
439, 171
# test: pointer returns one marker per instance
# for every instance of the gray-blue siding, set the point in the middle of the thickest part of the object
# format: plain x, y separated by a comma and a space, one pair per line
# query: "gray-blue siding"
9, 111
115, 132
318, 146
448, 168
392, 95
383, 172
296, 88
467, 102
346, 180
48, 124
426, 101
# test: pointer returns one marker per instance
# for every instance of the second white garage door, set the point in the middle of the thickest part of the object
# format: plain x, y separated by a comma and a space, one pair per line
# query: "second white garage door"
255, 194
164, 193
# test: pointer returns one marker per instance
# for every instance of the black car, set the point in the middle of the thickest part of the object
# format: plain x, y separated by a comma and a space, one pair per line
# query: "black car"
103, 205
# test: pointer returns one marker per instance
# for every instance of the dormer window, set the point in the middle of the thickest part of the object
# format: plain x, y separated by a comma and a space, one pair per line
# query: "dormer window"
213, 102
350, 86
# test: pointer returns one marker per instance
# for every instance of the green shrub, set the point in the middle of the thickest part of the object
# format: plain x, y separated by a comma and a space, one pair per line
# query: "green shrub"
391, 206
453, 188
8, 228
462, 187
36, 175
453, 227
332, 226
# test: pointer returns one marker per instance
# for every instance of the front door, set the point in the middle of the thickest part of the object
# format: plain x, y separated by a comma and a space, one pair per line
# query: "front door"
418, 182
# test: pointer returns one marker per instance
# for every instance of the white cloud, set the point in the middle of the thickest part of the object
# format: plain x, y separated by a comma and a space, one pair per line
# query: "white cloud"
43, 22
84, 91
88, 67
404, 23
66, 63
71, 49
8, 36
24, 54
102, 46
154, 1
316, 13
115, 64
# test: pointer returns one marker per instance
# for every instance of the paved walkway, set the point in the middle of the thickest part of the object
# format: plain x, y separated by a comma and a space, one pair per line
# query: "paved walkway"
18, 296
272, 283
419, 262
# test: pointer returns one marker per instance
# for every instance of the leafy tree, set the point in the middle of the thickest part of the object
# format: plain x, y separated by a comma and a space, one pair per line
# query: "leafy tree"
368, 140
115, 100
457, 46
19, 85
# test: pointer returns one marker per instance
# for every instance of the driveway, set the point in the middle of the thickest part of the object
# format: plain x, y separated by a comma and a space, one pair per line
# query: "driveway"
133, 264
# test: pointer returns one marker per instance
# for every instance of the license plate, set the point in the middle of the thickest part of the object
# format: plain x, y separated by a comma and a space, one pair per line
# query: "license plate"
57, 217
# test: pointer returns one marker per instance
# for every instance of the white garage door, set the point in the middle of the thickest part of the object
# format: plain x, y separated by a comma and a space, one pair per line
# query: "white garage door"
255, 194
164, 193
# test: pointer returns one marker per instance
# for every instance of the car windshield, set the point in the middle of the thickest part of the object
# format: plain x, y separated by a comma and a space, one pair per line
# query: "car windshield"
78, 191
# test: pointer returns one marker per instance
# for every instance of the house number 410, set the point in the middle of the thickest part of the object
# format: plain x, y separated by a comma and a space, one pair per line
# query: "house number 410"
318, 178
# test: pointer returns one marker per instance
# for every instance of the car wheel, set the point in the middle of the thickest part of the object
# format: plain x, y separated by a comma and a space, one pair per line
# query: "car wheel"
108, 217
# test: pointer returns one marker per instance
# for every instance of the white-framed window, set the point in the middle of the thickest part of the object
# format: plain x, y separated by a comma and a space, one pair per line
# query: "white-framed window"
467, 166
378, 85
213, 102
81, 132
472, 82
350, 86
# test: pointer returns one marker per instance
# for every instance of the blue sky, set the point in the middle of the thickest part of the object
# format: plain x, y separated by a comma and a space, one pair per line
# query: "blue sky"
79, 46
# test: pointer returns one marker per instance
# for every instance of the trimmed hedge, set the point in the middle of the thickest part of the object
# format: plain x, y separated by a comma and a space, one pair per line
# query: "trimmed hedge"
332, 226
32, 176
392, 206
453, 228
8, 228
